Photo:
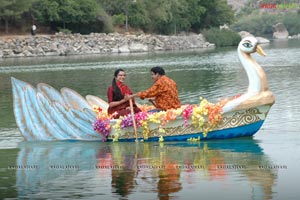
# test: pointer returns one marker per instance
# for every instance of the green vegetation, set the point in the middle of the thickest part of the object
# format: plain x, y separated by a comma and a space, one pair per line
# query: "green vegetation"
75, 15
292, 22
262, 24
222, 37
259, 21
12, 11
155, 17
256, 24
86, 16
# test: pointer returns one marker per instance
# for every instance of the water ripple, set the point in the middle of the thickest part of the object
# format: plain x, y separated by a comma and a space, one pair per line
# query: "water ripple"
9, 138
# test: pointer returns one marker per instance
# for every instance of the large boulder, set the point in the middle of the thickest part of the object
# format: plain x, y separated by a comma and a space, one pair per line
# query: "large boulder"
244, 34
279, 31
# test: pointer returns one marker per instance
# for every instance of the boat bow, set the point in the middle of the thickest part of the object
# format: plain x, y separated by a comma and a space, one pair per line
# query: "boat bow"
258, 91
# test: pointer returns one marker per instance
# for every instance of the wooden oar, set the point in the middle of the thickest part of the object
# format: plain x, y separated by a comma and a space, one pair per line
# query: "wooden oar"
133, 119
153, 102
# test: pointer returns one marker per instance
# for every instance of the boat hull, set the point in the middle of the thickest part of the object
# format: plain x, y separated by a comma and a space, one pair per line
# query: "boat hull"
234, 124
236, 132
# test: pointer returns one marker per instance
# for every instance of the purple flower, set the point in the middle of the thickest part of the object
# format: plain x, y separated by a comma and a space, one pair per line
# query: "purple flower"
102, 127
126, 122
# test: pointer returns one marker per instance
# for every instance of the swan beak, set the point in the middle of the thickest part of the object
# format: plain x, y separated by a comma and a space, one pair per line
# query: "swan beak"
260, 51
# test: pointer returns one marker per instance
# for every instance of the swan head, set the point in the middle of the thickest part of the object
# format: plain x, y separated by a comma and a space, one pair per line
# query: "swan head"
250, 45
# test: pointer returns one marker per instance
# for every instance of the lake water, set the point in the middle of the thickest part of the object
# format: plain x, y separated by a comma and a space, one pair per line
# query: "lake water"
265, 166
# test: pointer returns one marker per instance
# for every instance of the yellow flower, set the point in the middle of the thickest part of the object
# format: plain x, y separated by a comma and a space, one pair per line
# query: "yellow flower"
179, 111
161, 130
117, 126
116, 138
206, 116
161, 139
154, 118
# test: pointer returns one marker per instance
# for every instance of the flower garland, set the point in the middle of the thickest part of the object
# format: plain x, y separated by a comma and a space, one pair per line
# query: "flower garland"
206, 116
102, 125
186, 113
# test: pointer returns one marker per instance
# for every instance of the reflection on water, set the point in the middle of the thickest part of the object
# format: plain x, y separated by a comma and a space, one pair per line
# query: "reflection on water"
152, 170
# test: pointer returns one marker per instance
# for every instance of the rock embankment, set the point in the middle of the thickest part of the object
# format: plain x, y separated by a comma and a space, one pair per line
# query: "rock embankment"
280, 31
95, 43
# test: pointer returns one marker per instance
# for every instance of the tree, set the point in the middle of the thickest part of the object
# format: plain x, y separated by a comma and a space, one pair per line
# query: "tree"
196, 11
119, 8
160, 14
187, 15
84, 16
217, 13
139, 15
66, 12
11, 10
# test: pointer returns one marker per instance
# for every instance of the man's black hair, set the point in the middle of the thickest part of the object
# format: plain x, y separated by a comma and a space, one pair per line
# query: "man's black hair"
158, 70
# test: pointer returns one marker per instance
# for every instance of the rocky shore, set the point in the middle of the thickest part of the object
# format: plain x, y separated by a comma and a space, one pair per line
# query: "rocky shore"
96, 43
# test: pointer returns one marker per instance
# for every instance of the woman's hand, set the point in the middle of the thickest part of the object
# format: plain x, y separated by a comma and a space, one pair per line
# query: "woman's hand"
117, 103
130, 96
126, 97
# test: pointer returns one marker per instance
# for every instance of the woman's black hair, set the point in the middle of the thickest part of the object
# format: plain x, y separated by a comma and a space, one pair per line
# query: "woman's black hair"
117, 94
158, 70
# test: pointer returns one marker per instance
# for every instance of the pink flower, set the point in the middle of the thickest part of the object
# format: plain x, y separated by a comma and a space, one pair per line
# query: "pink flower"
186, 113
140, 118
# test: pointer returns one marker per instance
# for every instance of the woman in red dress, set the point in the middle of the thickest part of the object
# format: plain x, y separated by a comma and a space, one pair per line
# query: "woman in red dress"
117, 96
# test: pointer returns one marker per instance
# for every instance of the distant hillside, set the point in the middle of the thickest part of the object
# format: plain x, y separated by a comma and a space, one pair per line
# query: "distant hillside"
237, 5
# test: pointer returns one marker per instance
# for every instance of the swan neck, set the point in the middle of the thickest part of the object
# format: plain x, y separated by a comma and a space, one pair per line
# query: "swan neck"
250, 66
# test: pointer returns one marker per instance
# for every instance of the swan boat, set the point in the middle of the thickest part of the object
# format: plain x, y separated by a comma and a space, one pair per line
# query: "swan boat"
43, 113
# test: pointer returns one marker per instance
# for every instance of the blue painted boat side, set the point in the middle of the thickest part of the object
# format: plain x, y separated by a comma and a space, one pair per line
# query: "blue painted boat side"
241, 131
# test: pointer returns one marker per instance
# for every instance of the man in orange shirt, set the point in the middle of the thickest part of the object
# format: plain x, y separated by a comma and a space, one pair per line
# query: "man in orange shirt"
164, 90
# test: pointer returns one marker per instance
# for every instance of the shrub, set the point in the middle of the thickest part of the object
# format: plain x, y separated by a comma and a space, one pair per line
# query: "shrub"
222, 37
119, 19
292, 23
256, 24
64, 30
261, 25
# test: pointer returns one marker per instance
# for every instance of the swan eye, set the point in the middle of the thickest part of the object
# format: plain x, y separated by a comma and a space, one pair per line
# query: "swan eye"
247, 45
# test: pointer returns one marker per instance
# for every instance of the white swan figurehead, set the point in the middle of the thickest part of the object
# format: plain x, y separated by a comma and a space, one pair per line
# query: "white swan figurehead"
258, 91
